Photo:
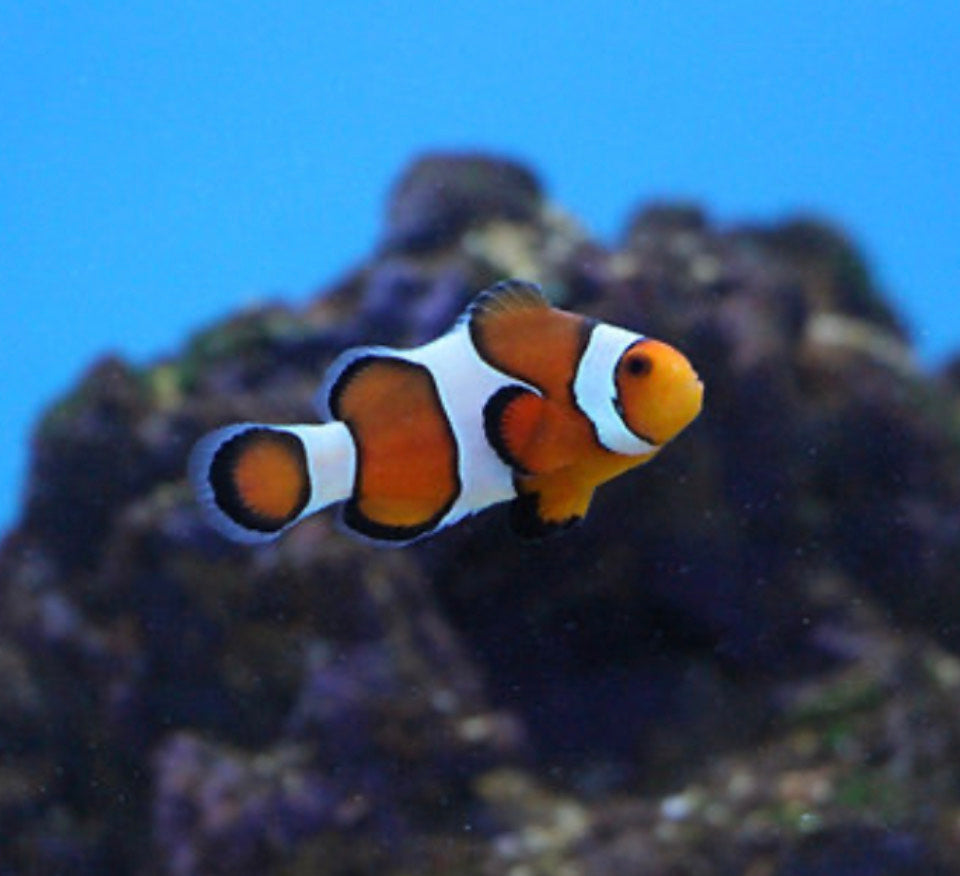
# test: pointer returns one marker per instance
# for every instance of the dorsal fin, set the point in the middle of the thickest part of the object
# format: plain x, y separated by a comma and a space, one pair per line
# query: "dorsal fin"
516, 330
507, 296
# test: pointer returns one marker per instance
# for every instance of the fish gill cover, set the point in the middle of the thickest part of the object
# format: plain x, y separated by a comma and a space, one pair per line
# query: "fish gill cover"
743, 661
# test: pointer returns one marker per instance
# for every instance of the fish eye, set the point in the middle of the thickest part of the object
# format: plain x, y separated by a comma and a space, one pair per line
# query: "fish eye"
639, 365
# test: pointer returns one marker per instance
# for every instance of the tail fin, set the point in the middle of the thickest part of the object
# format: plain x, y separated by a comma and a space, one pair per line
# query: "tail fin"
254, 481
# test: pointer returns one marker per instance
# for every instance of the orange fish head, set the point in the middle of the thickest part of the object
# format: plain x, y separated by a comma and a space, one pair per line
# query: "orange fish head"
658, 392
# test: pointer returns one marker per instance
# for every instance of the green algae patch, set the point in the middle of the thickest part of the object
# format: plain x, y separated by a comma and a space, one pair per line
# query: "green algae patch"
834, 703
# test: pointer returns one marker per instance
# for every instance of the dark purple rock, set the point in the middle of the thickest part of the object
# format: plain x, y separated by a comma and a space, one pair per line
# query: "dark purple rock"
440, 196
220, 812
862, 851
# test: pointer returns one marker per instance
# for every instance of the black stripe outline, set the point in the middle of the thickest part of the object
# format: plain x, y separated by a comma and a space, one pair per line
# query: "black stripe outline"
618, 405
224, 488
526, 521
587, 328
351, 514
493, 423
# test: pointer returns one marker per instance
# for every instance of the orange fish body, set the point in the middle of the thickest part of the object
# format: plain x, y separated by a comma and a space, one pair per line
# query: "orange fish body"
518, 402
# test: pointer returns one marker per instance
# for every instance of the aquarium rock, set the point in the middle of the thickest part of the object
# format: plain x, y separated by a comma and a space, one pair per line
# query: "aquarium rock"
744, 661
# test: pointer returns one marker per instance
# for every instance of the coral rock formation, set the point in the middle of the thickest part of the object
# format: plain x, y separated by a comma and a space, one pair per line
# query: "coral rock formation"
743, 661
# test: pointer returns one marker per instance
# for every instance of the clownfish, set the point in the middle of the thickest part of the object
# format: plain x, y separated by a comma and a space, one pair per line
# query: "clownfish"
518, 402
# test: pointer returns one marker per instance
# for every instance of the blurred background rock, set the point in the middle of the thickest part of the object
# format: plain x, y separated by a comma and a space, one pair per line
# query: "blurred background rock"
742, 662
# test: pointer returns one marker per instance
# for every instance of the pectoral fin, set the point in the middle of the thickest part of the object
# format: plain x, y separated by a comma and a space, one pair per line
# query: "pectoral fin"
530, 433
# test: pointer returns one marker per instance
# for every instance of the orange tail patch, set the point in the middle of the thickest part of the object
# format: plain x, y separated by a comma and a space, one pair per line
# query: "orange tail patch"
259, 478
